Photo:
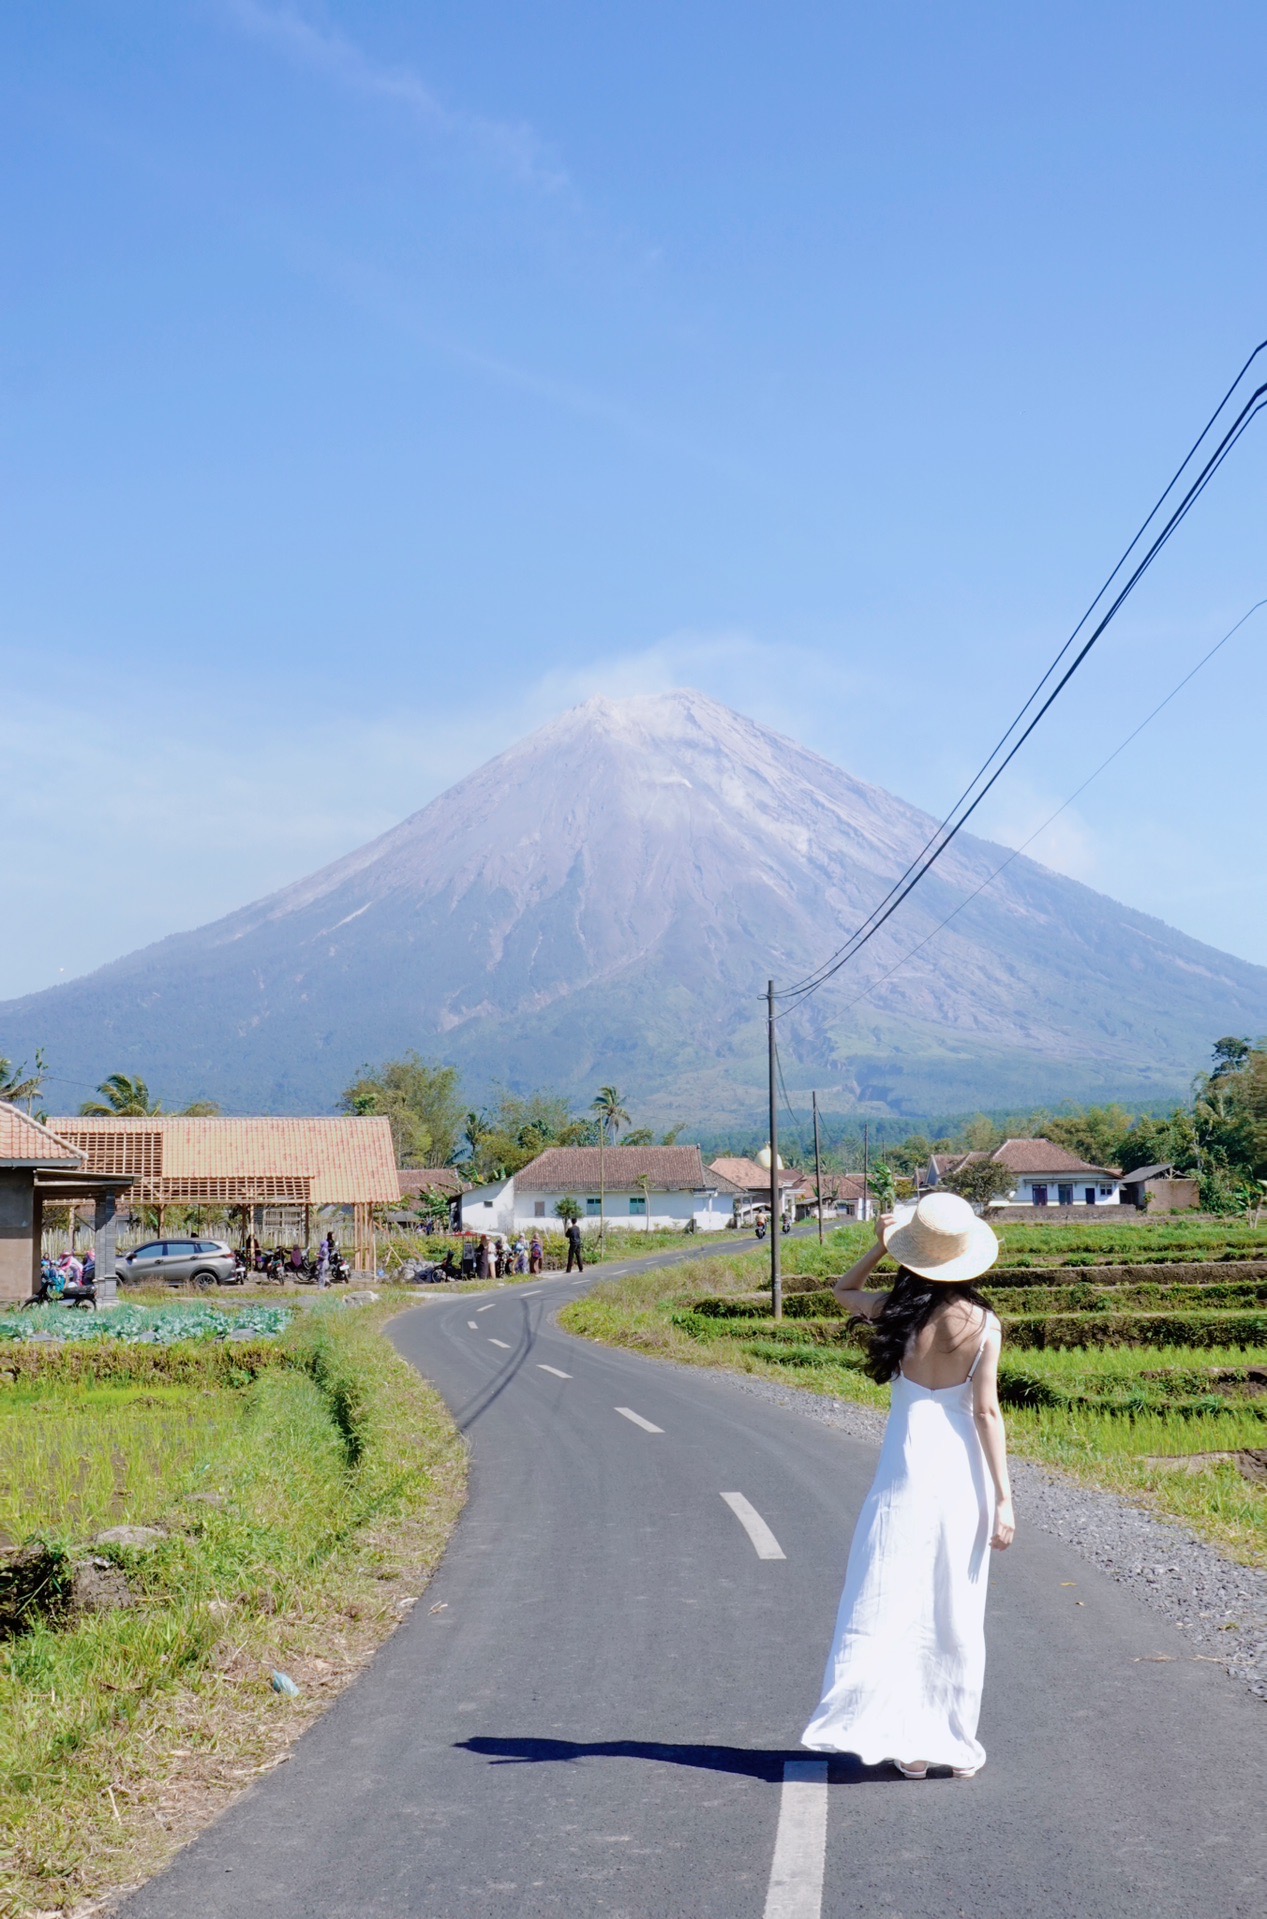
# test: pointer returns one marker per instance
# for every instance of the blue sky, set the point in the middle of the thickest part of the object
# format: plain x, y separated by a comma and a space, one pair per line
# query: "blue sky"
376, 381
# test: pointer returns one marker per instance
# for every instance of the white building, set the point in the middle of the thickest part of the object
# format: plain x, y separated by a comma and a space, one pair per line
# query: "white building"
650, 1186
1046, 1175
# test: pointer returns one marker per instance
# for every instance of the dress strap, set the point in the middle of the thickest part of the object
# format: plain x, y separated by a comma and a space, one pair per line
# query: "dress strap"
990, 1323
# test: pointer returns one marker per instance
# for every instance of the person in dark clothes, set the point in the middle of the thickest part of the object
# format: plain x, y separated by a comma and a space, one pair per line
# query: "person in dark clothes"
576, 1247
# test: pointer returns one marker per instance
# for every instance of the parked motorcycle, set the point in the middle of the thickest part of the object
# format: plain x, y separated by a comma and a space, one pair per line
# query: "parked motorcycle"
55, 1289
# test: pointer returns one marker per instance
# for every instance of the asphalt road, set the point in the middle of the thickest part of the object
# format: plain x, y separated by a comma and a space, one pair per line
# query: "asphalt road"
602, 1719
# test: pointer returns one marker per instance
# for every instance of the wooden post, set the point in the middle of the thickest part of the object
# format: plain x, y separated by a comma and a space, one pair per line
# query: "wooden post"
818, 1170
866, 1173
602, 1188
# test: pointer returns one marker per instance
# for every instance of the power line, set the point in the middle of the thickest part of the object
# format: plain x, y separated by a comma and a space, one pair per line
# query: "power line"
999, 745
924, 862
1078, 790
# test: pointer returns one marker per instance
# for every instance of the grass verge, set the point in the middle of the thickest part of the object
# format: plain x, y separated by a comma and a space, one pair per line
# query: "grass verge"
301, 1514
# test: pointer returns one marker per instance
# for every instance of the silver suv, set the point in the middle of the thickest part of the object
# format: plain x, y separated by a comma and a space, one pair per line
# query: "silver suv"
208, 1262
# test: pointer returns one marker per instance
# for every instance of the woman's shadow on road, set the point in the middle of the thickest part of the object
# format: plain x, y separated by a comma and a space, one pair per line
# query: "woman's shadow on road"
751, 1762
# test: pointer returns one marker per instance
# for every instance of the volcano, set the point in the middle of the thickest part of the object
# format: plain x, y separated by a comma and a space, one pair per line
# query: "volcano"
605, 902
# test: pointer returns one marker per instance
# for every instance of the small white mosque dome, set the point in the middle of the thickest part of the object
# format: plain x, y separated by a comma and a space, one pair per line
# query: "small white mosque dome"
763, 1158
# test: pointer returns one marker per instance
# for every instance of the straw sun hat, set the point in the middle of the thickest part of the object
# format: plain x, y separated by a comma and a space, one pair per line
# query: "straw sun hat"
942, 1239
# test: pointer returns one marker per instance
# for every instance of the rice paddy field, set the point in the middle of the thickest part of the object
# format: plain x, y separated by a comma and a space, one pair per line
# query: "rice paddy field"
292, 1482
1134, 1357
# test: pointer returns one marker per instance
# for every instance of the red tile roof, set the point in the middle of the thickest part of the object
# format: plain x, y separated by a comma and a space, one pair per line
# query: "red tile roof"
24, 1142
575, 1169
748, 1176
344, 1161
430, 1179
1039, 1156
1027, 1158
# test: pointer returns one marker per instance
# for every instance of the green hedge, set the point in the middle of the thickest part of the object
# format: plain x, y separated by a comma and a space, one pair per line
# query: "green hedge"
1136, 1329
1087, 1297
714, 1319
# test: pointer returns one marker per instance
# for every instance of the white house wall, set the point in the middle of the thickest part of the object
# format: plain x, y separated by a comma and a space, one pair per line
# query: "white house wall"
667, 1210
499, 1209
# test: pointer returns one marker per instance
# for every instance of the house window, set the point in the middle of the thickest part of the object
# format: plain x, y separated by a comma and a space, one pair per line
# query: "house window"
1064, 1195
1106, 1192
593, 1207
1089, 1195
1040, 1195
638, 1206
538, 1209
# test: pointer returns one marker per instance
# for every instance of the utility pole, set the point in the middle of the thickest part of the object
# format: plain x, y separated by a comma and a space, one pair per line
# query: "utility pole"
866, 1172
602, 1187
776, 1218
818, 1170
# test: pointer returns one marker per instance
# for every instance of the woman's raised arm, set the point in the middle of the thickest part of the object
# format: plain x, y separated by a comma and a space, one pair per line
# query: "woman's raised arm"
848, 1288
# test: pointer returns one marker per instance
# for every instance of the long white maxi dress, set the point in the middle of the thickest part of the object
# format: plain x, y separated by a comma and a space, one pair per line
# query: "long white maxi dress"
904, 1674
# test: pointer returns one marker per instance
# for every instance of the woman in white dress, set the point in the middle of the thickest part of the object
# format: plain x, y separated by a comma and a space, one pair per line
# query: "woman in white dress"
904, 1674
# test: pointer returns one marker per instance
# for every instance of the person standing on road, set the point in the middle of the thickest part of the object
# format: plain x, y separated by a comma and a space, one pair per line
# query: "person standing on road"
486, 1257
576, 1247
905, 1671
536, 1254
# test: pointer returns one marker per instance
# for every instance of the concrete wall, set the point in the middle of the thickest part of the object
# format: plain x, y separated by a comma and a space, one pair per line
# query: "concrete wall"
1172, 1195
19, 1235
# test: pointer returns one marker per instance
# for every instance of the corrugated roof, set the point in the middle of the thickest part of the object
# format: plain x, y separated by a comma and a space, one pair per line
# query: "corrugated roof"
572, 1169
24, 1142
345, 1161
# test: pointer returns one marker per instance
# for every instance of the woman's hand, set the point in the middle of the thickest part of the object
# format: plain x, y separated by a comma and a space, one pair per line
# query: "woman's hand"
884, 1223
1004, 1526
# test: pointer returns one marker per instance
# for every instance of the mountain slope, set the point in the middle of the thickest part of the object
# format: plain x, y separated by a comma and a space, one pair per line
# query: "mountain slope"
607, 899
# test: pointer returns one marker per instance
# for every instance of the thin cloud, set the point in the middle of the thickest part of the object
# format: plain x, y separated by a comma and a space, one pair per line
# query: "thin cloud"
512, 146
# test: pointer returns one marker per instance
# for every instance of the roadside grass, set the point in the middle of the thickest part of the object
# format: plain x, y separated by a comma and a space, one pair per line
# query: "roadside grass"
302, 1512
1109, 1416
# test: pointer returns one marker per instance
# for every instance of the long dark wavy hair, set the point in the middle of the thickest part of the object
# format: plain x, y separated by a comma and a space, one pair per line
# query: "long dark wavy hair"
908, 1308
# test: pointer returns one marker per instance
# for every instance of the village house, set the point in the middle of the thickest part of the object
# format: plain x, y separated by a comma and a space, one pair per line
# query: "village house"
1045, 1175
845, 1196
749, 1182
38, 1169
649, 1186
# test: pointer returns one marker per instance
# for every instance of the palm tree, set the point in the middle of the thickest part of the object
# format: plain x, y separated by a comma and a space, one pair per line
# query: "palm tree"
611, 1113
16, 1083
611, 1117
121, 1098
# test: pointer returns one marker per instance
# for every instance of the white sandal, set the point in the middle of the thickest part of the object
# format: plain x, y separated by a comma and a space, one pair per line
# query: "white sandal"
912, 1772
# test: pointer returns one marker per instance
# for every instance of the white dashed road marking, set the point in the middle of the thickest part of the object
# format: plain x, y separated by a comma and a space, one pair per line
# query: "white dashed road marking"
542, 1367
503, 1343
767, 1546
473, 1324
800, 1845
638, 1420
488, 1308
